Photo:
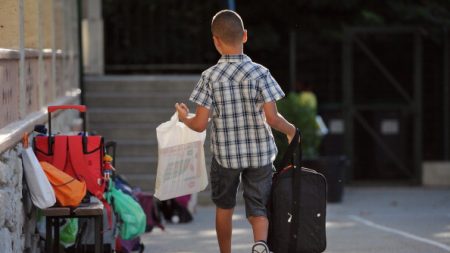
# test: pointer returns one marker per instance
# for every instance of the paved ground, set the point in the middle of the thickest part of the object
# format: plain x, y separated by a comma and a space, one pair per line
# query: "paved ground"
388, 220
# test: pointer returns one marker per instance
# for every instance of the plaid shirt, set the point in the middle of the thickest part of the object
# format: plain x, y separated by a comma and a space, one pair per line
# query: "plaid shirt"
236, 89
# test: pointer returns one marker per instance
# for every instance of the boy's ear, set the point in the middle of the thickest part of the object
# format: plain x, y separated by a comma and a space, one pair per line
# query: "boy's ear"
244, 36
216, 39
217, 44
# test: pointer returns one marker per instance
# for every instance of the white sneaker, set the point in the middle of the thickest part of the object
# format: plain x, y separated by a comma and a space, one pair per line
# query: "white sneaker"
260, 247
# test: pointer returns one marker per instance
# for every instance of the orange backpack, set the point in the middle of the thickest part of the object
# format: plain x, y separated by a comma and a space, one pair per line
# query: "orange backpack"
68, 190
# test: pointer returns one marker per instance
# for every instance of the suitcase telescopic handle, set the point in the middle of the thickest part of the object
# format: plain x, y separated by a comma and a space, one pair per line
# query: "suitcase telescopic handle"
53, 108
80, 108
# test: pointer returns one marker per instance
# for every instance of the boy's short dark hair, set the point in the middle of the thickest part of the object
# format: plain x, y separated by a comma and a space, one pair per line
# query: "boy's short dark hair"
228, 26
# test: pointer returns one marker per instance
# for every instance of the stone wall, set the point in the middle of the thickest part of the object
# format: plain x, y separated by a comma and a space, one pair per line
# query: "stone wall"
11, 213
17, 214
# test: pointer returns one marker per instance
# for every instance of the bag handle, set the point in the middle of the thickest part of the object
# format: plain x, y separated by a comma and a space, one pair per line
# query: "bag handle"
289, 155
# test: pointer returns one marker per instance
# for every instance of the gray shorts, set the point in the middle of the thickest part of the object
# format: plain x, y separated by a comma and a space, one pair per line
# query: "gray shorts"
256, 183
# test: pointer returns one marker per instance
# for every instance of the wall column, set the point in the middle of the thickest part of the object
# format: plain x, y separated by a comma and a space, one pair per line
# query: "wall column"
93, 47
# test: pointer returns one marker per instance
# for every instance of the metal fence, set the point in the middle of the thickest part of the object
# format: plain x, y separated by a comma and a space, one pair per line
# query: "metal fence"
390, 119
40, 67
158, 36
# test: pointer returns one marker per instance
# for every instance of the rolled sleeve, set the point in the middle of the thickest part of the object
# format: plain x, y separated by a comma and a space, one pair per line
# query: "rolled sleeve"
270, 89
202, 94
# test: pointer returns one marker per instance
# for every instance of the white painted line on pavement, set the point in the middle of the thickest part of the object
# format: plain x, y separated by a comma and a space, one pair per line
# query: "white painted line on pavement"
399, 232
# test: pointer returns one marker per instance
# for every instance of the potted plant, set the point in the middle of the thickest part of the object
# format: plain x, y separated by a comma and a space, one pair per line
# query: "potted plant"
301, 110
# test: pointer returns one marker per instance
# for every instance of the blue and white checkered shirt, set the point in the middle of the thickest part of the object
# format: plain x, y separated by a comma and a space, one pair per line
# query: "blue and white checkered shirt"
235, 89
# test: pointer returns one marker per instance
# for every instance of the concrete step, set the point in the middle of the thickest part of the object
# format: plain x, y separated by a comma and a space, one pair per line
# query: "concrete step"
142, 99
136, 83
127, 109
129, 115
148, 149
137, 148
137, 165
126, 131
142, 164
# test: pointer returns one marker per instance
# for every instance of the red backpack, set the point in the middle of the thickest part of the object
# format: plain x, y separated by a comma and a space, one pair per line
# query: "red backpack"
80, 156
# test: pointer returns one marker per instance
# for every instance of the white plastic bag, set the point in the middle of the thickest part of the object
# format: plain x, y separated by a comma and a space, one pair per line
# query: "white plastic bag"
41, 191
181, 160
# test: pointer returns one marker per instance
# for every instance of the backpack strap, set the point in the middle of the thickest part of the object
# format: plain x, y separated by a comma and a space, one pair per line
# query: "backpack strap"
75, 148
108, 210
80, 167
60, 149
94, 179
295, 208
293, 156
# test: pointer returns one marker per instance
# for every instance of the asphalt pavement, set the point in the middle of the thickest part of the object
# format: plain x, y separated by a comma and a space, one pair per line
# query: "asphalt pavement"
370, 219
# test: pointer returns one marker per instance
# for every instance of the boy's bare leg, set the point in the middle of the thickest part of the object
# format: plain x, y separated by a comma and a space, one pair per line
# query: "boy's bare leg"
260, 226
223, 228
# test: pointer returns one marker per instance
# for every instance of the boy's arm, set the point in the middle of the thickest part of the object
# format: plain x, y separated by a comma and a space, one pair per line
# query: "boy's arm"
197, 123
277, 121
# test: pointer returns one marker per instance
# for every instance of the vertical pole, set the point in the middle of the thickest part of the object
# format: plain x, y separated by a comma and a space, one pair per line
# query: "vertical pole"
446, 95
22, 87
80, 51
56, 234
347, 83
41, 90
417, 77
49, 233
98, 233
292, 59
64, 51
232, 5
53, 83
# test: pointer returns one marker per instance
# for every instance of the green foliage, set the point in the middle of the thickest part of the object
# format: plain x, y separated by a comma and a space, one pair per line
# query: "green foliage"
301, 110
426, 13
370, 17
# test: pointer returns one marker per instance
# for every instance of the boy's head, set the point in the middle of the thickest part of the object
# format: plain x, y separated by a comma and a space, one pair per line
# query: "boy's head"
227, 26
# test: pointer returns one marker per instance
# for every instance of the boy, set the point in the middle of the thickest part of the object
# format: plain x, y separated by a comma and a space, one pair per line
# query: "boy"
241, 95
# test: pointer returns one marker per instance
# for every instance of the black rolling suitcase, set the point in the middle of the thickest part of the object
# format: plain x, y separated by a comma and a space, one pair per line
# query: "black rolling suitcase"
297, 208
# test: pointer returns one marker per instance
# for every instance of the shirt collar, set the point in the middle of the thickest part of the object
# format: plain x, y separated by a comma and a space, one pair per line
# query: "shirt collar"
234, 58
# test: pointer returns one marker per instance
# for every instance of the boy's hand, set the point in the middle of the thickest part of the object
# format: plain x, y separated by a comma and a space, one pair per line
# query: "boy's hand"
291, 136
198, 121
182, 110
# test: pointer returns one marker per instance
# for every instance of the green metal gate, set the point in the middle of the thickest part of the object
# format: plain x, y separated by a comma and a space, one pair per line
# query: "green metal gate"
408, 101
